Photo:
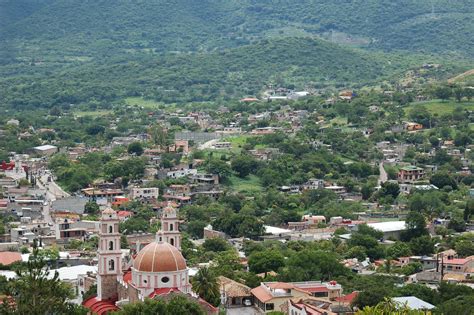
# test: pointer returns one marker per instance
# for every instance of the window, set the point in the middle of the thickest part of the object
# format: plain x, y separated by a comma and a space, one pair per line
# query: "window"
110, 229
269, 307
165, 279
111, 265
111, 245
171, 227
172, 241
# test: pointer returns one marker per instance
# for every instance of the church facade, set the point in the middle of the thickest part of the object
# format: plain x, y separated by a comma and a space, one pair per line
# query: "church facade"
157, 270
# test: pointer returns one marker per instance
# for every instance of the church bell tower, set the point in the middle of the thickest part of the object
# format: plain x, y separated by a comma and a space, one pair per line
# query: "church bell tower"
109, 254
169, 231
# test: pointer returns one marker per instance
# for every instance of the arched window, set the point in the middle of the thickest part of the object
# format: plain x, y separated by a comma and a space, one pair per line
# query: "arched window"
172, 241
111, 265
171, 227
111, 229
111, 245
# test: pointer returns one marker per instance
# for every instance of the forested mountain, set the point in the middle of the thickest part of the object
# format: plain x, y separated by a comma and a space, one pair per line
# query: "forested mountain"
100, 26
224, 74
61, 52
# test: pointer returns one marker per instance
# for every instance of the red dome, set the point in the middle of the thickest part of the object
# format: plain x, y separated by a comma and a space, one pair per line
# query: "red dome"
159, 257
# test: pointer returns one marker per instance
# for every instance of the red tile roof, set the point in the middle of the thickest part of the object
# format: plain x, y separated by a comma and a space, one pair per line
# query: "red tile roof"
124, 213
100, 307
8, 258
127, 276
348, 298
280, 285
162, 291
261, 294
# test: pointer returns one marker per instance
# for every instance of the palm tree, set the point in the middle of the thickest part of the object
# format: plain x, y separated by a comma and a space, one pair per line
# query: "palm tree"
206, 286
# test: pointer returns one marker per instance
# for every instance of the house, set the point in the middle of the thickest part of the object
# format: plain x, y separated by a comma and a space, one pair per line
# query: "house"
390, 229
232, 130
410, 174
179, 146
274, 296
308, 221
313, 184
412, 126
458, 265
65, 231
181, 173
95, 193
234, 294
336, 189
314, 219
222, 145
45, 150
413, 303
144, 193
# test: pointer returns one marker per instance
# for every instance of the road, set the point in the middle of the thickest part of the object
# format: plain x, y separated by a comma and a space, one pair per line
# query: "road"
383, 177
52, 192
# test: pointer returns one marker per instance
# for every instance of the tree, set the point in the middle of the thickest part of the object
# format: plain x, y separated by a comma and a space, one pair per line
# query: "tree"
442, 179
462, 305
443, 92
420, 114
390, 189
371, 297
399, 249
265, 261
158, 135
420, 291
196, 228
465, 248
135, 148
416, 226
244, 165
215, 244
206, 286
91, 207
458, 93
422, 245
35, 292
219, 167
387, 306
177, 305
310, 264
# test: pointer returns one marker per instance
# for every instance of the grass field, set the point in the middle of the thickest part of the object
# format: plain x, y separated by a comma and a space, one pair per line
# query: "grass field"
439, 107
138, 101
94, 113
250, 184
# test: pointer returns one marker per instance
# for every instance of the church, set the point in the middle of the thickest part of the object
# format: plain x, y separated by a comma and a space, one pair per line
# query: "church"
158, 269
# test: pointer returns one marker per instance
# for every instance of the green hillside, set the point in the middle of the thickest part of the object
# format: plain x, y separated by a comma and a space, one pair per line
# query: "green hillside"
89, 27
227, 74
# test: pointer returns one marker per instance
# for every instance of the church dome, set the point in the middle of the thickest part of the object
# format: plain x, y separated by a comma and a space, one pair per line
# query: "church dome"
159, 257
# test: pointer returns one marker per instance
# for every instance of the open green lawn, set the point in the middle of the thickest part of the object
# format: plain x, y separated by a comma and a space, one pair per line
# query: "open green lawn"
250, 184
440, 107
93, 113
138, 101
